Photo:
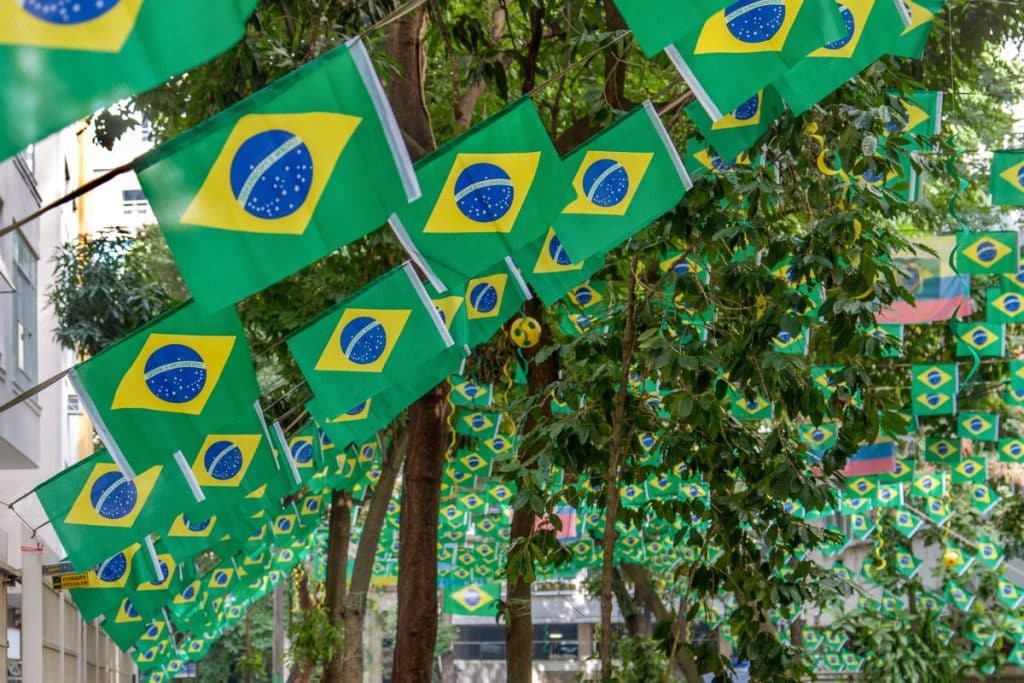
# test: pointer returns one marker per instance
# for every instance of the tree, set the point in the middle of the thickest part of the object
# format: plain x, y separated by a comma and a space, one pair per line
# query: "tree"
450, 65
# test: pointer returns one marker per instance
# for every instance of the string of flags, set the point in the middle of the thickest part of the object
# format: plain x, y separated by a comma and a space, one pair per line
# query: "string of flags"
492, 218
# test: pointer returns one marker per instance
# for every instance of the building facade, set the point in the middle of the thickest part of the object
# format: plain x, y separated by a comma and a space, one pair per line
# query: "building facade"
42, 636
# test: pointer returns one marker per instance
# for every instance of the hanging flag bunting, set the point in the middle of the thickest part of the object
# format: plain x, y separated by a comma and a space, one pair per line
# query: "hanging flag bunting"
490, 300
656, 25
942, 451
280, 179
385, 336
86, 55
753, 42
162, 389
626, 177
1011, 450
550, 270
918, 15
1004, 307
486, 195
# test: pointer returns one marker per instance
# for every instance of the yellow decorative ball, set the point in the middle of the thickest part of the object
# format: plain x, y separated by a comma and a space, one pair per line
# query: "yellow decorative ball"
525, 333
951, 558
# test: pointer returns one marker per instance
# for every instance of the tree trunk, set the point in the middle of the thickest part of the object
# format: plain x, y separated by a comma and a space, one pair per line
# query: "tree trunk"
417, 565
303, 672
519, 592
647, 594
362, 570
631, 612
338, 536
428, 428
611, 483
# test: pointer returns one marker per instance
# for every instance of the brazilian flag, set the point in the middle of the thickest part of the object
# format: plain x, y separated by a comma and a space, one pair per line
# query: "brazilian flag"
156, 395
987, 340
96, 510
744, 47
60, 60
1006, 182
988, 253
490, 299
737, 131
624, 178
280, 179
124, 624
387, 336
486, 194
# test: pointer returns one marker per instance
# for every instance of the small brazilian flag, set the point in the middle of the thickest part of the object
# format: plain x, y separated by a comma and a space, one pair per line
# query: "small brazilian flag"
624, 178
1006, 182
754, 408
96, 510
906, 523
280, 179
490, 299
1004, 307
870, 29
918, 15
476, 423
920, 116
61, 60
737, 131
1011, 450
929, 485
970, 471
942, 450
550, 270
986, 340
906, 563
978, 426
702, 160
959, 596
738, 50
167, 385
386, 336
467, 392
819, 438
987, 253
1009, 593
124, 624
486, 194
989, 553
983, 498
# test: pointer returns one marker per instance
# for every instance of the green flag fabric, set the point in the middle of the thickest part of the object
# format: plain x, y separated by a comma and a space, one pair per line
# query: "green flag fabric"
280, 179
624, 178
489, 301
386, 336
918, 15
62, 60
1006, 181
737, 131
163, 389
749, 44
486, 194
871, 28
988, 253
933, 389
657, 24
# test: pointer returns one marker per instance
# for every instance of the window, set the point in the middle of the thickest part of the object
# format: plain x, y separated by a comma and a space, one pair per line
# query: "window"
134, 202
25, 338
74, 405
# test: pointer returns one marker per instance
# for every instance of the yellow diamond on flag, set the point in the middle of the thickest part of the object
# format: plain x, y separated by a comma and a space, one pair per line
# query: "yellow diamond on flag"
607, 182
109, 499
271, 173
719, 35
855, 15
363, 340
934, 377
484, 193
174, 373
88, 26
224, 459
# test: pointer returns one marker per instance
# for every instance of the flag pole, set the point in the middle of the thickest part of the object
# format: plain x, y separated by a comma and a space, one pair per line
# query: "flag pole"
70, 196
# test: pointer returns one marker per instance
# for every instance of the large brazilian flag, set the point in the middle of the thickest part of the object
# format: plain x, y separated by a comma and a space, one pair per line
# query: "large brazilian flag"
280, 179
61, 60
